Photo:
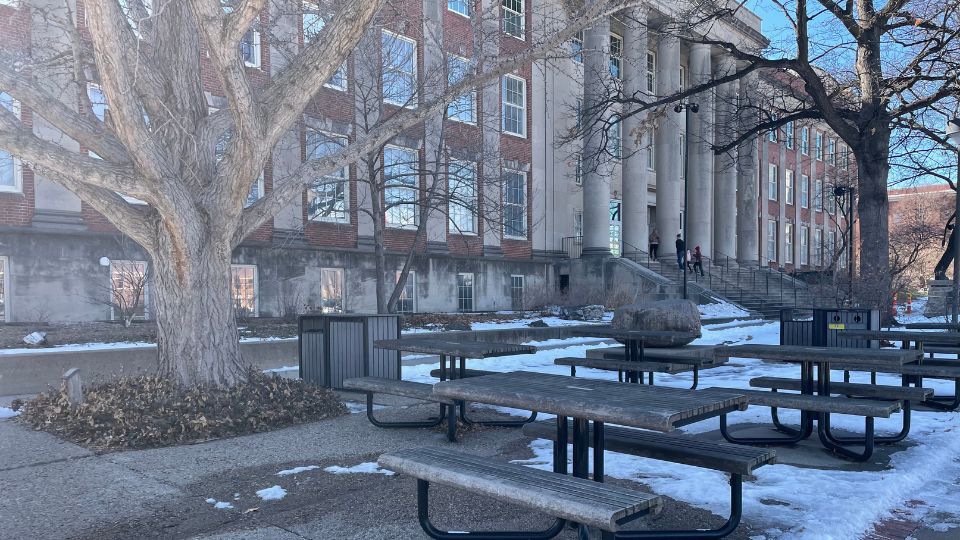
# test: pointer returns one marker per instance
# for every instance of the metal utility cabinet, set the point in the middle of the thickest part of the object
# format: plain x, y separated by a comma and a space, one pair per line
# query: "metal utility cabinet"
335, 347
818, 327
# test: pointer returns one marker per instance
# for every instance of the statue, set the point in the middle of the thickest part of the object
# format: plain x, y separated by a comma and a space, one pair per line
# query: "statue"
940, 271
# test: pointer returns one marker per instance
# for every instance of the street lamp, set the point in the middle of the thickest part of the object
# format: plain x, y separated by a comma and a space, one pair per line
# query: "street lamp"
685, 216
953, 135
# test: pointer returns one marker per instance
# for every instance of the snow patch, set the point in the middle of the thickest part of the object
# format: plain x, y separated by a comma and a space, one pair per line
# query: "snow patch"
274, 493
720, 310
369, 467
296, 470
219, 505
7, 412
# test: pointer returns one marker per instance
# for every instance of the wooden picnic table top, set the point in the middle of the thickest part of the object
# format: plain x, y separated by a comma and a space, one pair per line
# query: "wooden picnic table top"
815, 355
947, 338
657, 408
932, 326
608, 331
450, 347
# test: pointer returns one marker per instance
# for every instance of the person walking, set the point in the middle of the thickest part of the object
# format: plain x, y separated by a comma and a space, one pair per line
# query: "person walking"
654, 244
697, 261
681, 252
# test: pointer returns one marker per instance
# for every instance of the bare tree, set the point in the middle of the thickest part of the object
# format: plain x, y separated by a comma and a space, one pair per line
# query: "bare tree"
125, 292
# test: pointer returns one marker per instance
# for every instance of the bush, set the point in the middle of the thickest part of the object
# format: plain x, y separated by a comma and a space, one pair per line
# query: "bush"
146, 412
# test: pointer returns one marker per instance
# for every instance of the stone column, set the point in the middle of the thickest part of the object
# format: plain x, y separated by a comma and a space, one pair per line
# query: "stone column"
748, 184
699, 181
667, 142
725, 165
596, 161
490, 128
634, 166
433, 61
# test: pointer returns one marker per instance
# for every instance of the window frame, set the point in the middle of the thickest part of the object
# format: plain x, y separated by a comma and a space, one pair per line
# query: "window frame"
774, 134
773, 182
453, 207
818, 246
616, 59
832, 151
312, 7
342, 273
145, 292
460, 288
615, 137
411, 103
523, 206
790, 134
516, 15
576, 47
789, 181
472, 94
651, 151
344, 180
415, 204
466, 6
412, 283
804, 191
651, 72
773, 240
804, 245
505, 103
255, 312
788, 243
256, 49
819, 145
16, 165
513, 288
805, 140
818, 196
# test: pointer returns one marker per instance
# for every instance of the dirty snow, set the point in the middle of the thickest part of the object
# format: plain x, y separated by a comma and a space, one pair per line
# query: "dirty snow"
369, 467
219, 505
296, 470
274, 493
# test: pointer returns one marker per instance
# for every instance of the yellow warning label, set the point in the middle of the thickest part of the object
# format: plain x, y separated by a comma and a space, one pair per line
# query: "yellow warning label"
836, 326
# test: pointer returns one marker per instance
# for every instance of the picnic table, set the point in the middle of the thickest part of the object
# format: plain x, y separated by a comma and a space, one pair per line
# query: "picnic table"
589, 400
454, 350
955, 327
905, 337
633, 340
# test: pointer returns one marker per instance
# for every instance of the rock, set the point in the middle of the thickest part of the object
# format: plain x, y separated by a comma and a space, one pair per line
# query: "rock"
593, 312
456, 326
661, 315
538, 324
35, 338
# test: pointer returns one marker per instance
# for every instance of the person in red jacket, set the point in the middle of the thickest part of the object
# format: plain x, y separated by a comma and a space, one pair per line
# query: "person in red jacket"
697, 261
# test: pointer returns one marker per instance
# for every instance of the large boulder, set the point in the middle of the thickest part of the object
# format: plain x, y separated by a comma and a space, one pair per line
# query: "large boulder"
593, 312
660, 315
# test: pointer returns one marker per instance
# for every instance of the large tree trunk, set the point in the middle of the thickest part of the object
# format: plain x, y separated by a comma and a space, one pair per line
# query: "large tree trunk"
872, 208
197, 337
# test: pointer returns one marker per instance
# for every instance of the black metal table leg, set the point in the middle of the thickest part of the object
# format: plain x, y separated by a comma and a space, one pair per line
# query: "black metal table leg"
598, 447
827, 439
581, 447
560, 446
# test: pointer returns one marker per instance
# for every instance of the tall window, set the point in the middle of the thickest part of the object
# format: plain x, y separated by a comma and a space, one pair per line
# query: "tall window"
616, 229
128, 289
683, 77
788, 243
250, 48
312, 22
773, 182
407, 303
831, 246
515, 204
846, 157
4, 277
11, 171
772, 240
788, 186
615, 137
459, 6
462, 189
651, 72
243, 284
818, 196
464, 292
616, 61
790, 134
818, 247
399, 58
327, 198
805, 140
682, 152
401, 180
576, 47
819, 146
516, 292
513, 20
514, 105
804, 191
331, 290
464, 108
578, 223
256, 191
832, 151
804, 244
772, 134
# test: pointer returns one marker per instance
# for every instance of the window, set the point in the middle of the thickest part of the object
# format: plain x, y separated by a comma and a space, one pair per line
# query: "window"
407, 303
513, 20
256, 191
578, 224
804, 191
788, 243
804, 244
576, 47
11, 170
464, 292
831, 246
831, 199
818, 196
250, 48
13, 4
402, 181
682, 151
615, 137
578, 170
462, 189
256, 187
772, 134
243, 283
790, 135
515, 204
846, 157
819, 146
128, 290
788, 186
516, 293
651, 152
616, 61
773, 186
683, 77
616, 230
399, 58
459, 6
832, 151
651, 72
514, 106
327, 197
312, 22
98, 101
772, 241
331, 290
4, 287
137, 12
805, 140
464, 108
818, 247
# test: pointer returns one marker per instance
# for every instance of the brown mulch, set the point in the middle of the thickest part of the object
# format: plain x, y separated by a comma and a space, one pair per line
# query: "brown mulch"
149, 412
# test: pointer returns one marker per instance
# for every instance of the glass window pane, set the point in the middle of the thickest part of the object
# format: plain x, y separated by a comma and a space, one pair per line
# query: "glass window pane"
331, 290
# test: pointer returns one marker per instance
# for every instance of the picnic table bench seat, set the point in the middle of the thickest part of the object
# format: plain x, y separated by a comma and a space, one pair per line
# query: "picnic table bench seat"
409, 389
814, 403
567, 498
624, 366
462, 374
929, 369
906, 393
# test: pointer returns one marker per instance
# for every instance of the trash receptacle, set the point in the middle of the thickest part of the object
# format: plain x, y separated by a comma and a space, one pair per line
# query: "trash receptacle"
335, 347
818, 327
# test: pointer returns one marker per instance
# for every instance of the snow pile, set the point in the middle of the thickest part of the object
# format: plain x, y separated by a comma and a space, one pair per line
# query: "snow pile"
369, 467
721, 310
295, 470
274, 493
219, 505
7, 412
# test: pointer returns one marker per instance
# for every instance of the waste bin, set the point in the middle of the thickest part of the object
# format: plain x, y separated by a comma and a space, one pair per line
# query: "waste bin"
335, 347
819, 327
